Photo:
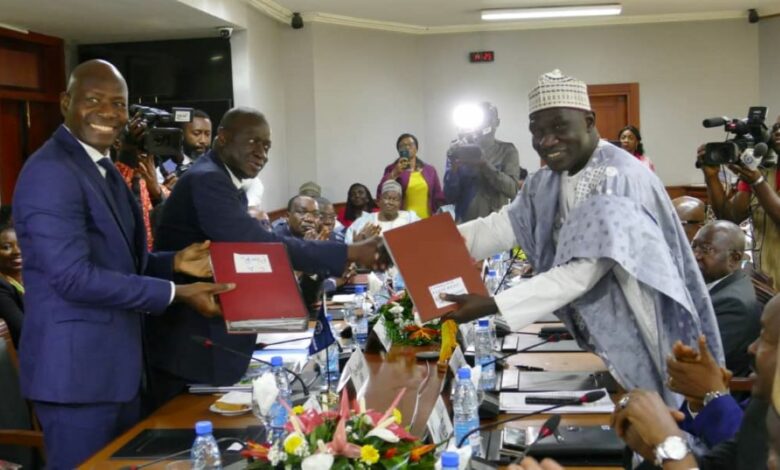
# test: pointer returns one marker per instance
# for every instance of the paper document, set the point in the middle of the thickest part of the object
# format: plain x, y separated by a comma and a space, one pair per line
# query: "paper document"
514, 402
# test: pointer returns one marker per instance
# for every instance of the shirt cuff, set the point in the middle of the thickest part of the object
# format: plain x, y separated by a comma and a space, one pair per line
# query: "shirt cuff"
173, 292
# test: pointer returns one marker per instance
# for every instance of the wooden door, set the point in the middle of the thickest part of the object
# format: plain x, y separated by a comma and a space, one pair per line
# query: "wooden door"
32, 75
616, 106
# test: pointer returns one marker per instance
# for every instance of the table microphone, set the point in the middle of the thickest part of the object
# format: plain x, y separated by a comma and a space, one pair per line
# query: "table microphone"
549, 339
548, 428
208, 344
589, 397
265, 345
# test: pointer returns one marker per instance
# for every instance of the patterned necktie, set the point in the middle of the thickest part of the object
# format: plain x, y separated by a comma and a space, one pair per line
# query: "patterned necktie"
119, 192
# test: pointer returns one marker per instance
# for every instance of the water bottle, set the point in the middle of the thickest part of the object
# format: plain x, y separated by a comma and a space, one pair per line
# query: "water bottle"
449, 461
278, 411
205, 451
332, 359
497, 264
360, 329
465, 405
491, 282
483, 350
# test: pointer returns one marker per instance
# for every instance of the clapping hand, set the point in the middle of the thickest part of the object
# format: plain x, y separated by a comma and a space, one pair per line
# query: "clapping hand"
194, 260
368, 231
370, 253
694, 374
642, 419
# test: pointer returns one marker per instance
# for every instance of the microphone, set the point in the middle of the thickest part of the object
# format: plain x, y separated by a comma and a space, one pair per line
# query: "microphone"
207, 343
760, 150
715, 122
589, 397
548, 428
265, 345
181, 453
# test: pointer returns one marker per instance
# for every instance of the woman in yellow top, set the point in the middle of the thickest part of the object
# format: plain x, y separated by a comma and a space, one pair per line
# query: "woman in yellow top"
422, 192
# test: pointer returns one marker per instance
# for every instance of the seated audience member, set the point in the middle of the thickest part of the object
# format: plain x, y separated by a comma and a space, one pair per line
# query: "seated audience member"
328, 220
692, 213
302, 219
11, 287
631, 141
718, 249
359, 200
388, 217
311, 189
421, 190
646, 422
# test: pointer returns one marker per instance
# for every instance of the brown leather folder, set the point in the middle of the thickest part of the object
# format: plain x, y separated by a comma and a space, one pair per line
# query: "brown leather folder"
267, 296
430, 253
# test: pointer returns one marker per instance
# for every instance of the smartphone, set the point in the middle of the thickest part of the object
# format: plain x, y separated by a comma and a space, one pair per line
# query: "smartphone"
404, 161
169, 166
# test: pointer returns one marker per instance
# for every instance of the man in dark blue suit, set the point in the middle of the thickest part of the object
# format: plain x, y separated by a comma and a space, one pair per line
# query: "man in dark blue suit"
86, 274
209, 203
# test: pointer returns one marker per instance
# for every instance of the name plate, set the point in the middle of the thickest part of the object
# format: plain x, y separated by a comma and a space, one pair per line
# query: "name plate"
467, 332
356, 370
457, 360
439, 423
381, 332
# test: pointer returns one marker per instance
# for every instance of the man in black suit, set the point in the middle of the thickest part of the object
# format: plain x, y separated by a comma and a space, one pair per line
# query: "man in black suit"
718, 248
209, 203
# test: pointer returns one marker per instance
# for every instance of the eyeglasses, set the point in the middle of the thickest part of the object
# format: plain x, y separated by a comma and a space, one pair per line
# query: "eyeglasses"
704, 248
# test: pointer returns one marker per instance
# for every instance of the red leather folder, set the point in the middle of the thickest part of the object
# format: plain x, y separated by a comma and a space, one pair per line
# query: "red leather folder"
267, 296
431, 253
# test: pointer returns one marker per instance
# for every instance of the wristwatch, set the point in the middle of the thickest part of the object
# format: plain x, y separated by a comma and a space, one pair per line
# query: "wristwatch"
672, 448
709, 396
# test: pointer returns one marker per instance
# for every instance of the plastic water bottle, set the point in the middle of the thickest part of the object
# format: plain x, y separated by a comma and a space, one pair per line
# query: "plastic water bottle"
205, 451
449, 461
465, 405
361, 322
497, 264
278, 411
483, 350
491, 282
332, 358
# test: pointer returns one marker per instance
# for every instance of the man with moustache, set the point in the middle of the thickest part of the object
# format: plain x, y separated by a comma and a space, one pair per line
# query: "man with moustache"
209, 203
614, 263
90, 282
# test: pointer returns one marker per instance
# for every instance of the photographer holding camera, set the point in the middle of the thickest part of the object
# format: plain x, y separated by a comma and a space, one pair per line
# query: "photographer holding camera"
482, 171
756, 195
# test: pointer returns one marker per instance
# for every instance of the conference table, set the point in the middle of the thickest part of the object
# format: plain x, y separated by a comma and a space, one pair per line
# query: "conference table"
390, 372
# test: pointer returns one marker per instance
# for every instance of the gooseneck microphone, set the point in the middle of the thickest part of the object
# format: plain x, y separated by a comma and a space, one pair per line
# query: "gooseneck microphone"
549, 339
548, 428
589, 397
207, 343
715, 121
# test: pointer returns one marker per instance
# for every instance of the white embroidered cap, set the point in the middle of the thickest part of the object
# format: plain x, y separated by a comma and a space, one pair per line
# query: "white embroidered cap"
555, 90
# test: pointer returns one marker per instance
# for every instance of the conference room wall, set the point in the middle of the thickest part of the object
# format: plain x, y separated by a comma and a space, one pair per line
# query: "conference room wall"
769, 64
259, 81
686, 72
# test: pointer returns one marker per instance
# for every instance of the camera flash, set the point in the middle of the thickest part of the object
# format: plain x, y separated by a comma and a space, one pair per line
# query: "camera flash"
468, 116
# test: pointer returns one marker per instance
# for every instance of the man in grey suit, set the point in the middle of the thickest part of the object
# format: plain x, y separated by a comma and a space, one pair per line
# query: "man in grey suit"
719, 247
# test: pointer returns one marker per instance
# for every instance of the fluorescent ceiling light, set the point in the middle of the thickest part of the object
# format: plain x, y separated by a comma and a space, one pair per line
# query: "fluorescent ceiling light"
550, 12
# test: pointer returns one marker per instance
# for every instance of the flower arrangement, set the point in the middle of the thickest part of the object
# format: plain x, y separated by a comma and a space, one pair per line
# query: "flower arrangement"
351, 438
402, 326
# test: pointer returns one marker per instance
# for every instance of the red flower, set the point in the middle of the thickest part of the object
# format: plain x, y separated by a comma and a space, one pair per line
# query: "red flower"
390, 453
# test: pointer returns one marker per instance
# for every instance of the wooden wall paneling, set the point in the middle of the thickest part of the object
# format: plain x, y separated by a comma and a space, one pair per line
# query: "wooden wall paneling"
10, 147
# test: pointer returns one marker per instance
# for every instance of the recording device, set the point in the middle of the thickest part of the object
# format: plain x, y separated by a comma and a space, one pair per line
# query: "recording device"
473, 121
163, 136
748, 145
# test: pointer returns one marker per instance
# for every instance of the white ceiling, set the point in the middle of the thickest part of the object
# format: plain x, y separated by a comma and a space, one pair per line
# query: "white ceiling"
90, 21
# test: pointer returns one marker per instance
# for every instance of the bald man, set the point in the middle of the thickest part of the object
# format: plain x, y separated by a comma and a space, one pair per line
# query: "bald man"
692, 213
90, 281
719, 247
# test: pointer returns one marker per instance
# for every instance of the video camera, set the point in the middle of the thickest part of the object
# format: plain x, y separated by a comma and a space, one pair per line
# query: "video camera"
748, 147
163, 137
472, 121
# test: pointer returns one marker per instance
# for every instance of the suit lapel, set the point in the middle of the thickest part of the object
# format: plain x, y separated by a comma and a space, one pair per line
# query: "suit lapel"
85, 166
727, 281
